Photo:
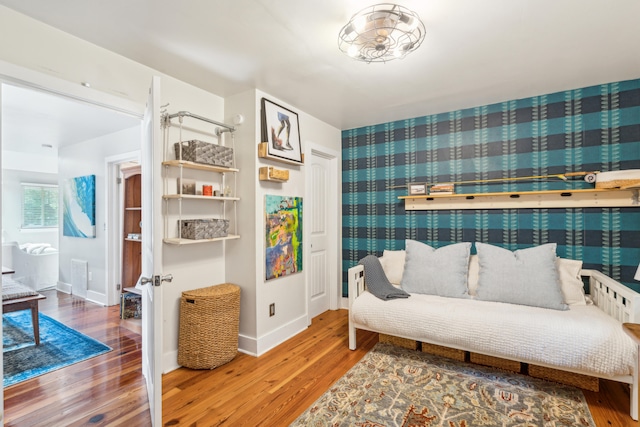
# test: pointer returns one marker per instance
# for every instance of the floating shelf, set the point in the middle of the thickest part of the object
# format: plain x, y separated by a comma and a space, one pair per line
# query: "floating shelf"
198, 166
263, 153
133, 240
268, 173
177, 241
570, 198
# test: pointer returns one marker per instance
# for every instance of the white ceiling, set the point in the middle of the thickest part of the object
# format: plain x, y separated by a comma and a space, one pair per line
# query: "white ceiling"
475, 52
32, 118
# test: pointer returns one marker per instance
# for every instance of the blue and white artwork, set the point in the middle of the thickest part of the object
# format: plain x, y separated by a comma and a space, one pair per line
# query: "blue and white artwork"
79, 207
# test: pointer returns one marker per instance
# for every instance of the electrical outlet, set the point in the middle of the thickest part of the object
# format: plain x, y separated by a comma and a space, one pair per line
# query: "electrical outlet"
272, 309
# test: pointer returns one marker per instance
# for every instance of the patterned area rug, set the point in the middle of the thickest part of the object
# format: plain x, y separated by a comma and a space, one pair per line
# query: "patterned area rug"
60, 346
393, 386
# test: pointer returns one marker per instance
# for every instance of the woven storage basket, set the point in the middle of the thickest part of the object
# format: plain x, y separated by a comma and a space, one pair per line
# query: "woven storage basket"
203, 152
439, 350
209, 323
577, 380
495, 362
400, 342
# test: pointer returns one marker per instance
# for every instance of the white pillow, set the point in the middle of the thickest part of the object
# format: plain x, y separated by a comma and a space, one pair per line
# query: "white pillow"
441, 271
474, 271
393, 265
525, 276
570, 281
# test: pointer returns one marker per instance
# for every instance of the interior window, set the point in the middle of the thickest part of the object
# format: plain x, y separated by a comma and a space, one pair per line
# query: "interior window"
39, 205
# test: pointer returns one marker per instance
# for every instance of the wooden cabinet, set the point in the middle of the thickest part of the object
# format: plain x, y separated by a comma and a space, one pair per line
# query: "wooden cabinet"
132, 231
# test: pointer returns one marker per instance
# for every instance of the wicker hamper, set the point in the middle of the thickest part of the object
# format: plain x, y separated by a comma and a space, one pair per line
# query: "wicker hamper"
209, 323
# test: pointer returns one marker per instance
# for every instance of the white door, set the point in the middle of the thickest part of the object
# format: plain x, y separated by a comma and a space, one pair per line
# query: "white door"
151, 258
323, 214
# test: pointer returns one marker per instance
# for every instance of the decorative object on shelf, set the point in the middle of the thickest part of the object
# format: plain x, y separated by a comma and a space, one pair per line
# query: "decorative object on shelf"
381, 33
281, 130
283, 231
268, 173
207, 190
629, 178
202, 229
186, 186
203, 152
442, 189
417, 188
79, 207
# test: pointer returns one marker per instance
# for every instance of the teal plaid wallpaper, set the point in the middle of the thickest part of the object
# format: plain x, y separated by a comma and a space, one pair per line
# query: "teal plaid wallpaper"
590, 129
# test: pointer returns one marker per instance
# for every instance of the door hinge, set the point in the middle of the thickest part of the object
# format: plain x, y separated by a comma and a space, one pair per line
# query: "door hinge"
119, 180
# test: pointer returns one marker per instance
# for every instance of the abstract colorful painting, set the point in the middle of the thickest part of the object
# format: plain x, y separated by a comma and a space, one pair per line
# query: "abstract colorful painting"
79, 207
283, 233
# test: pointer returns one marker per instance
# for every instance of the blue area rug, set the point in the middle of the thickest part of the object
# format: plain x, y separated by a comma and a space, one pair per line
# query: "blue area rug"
60, 346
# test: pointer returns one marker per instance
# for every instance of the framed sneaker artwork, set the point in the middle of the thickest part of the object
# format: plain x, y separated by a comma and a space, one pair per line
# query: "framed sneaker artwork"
281, 130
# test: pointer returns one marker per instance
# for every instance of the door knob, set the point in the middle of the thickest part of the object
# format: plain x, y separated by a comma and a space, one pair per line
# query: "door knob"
145, 280
166, 278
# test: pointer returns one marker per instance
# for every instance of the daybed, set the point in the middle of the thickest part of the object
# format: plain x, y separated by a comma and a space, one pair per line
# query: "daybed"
583, 337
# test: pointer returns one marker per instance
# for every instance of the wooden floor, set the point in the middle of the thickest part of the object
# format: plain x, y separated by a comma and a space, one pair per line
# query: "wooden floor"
271, 390
106, 390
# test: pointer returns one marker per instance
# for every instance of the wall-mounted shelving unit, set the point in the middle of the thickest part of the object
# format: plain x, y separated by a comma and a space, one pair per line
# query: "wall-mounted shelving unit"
263, 153
570, 198
183, 166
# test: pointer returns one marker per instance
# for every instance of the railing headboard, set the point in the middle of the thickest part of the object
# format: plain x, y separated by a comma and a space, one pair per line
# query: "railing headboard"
613, 297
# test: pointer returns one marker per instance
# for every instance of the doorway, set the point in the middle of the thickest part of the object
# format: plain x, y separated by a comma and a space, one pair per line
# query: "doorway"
54, 139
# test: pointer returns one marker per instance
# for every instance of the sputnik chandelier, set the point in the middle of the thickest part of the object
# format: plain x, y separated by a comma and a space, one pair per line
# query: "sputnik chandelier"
381, 33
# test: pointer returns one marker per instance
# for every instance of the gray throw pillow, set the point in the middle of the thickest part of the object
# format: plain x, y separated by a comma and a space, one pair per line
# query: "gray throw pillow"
526, 276
440, 271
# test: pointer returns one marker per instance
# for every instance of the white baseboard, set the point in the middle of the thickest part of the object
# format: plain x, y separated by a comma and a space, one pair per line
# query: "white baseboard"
64, 287
344, 303
280, 335
97, 298
170, 361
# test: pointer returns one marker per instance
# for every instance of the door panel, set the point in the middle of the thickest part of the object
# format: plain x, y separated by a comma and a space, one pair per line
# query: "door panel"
151, 258
320, 277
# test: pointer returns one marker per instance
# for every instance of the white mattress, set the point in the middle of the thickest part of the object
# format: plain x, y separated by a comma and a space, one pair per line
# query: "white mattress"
582, 338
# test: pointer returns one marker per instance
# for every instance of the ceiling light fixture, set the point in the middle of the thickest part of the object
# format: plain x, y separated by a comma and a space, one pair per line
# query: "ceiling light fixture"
381, 33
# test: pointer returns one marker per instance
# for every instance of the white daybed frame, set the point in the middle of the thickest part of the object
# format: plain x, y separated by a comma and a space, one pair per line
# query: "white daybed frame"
612, 297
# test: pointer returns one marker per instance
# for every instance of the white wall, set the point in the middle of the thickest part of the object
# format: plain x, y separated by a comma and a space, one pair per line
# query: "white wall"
258, 331
12, 207
88, 158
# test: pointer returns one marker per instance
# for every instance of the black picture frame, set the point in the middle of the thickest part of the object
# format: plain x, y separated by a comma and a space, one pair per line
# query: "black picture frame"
281, 131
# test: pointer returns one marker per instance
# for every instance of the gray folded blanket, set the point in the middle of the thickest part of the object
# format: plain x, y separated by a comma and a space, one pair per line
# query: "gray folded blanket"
377, 282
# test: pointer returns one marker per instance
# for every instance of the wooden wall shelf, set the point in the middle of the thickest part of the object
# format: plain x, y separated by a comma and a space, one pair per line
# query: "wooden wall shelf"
198, 166
263, 153
578, 198
268, 173
177, 241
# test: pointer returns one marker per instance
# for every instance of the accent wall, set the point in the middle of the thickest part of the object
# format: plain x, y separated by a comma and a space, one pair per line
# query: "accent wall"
590, 129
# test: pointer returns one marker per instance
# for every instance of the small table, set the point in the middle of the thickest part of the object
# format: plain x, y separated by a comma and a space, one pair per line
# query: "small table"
26, 303
7, 270
633, 330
